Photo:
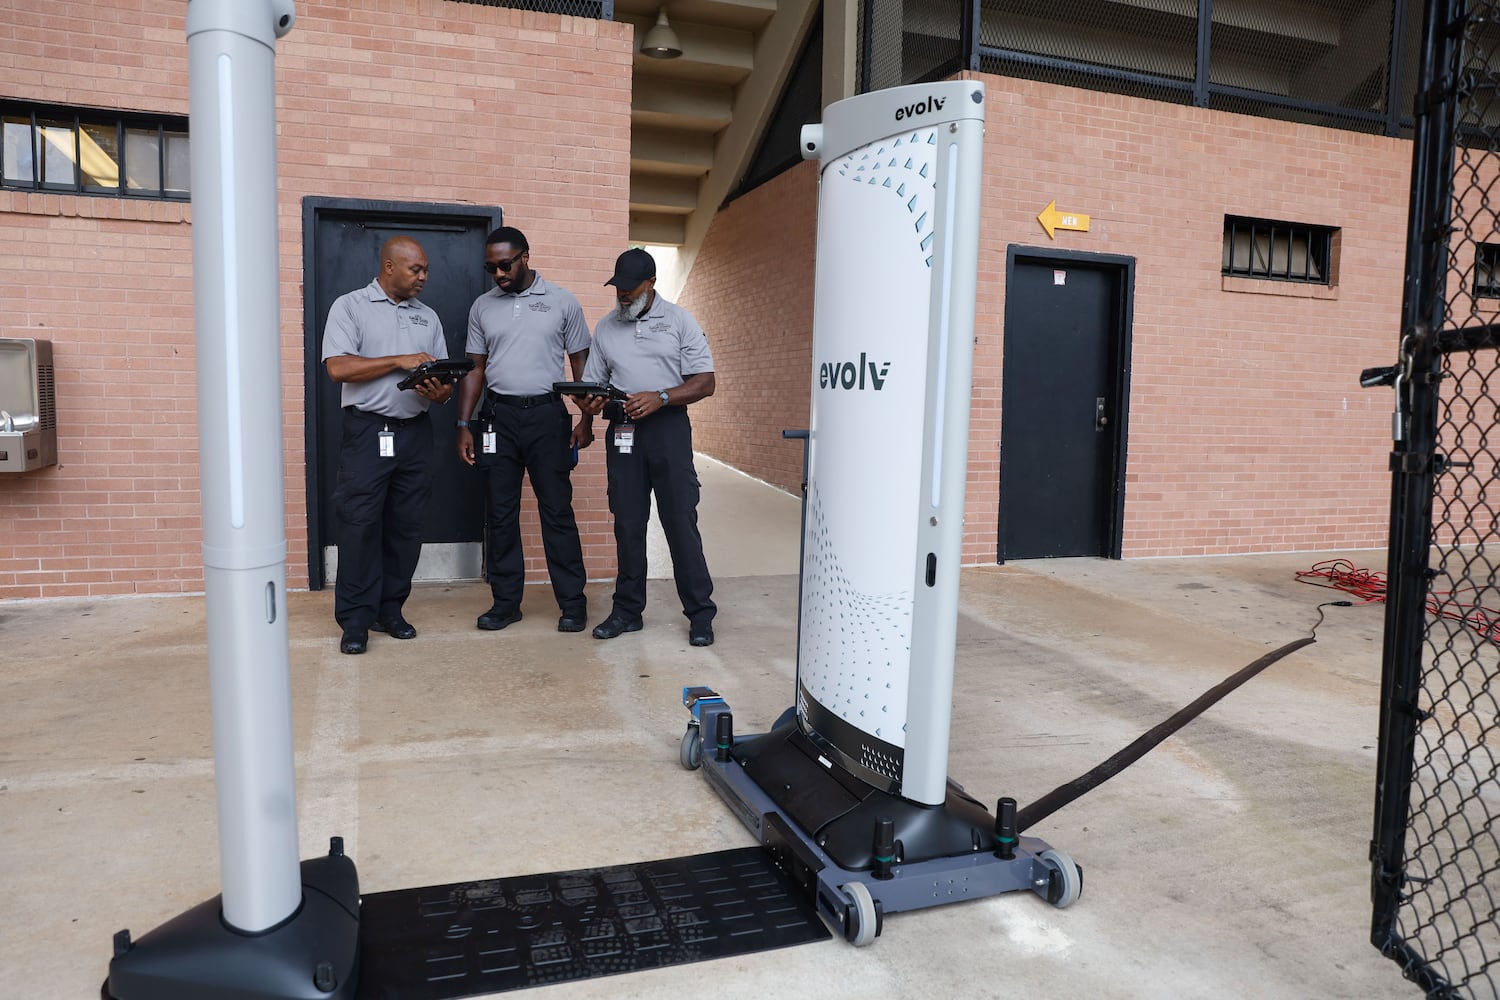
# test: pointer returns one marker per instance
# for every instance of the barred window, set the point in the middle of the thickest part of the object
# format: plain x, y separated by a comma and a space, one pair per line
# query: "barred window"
1486, 265
1281, 251
92, 151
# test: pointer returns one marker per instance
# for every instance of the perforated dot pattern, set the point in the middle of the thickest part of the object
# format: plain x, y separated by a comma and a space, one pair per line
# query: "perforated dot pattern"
855, 646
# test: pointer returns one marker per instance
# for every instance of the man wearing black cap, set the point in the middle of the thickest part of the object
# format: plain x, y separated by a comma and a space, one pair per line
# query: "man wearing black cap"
655, 352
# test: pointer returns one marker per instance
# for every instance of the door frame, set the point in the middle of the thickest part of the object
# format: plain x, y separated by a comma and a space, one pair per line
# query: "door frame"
312, 208
1124, 267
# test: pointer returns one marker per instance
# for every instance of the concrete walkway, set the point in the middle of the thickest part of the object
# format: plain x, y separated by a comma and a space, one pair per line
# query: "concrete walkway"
1229, 863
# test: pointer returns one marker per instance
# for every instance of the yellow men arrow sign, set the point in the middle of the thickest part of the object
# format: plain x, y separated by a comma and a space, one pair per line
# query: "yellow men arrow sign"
1052, 220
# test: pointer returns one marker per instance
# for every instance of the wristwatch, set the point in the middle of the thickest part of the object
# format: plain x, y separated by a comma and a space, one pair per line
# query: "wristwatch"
665, 399
460, 423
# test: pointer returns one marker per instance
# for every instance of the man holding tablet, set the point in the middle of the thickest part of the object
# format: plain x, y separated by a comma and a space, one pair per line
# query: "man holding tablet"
374, 337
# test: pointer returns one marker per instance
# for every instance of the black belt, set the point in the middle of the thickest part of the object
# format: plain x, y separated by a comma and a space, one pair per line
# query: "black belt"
393, 421
525, 401
614, 412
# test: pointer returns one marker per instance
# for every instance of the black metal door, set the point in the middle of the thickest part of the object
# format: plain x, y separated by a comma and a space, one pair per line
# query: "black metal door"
341, 252
1063, 394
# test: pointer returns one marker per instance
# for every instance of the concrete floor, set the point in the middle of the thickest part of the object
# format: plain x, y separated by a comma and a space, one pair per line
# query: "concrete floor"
1230, 862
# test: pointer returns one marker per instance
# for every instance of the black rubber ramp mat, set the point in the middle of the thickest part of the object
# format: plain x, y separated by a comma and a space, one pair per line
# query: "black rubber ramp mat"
472, 938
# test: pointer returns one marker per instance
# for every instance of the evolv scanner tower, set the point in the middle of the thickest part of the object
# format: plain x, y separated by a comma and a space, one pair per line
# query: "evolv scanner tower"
893, 321
851, 788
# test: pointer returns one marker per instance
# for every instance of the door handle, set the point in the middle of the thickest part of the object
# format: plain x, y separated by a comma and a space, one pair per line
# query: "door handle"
1100, 419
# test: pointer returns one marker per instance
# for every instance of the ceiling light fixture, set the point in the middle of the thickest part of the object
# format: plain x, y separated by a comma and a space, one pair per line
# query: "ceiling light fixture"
661, 41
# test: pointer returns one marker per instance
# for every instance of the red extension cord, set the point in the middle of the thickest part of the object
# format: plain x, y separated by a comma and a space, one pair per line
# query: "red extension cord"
1369, 587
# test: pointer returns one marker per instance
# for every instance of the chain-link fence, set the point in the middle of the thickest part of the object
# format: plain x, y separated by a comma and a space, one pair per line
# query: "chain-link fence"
1436, 849
1347, 64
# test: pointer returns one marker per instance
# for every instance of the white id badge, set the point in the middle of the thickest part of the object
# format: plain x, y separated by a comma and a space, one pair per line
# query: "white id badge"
624, 438
387, 444
488, 442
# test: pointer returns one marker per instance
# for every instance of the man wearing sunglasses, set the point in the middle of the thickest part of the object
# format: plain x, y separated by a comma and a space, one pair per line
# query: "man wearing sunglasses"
519, 332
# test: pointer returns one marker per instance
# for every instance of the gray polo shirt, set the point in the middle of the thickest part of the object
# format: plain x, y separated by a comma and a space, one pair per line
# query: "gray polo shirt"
524, 337
658, 351
365, 323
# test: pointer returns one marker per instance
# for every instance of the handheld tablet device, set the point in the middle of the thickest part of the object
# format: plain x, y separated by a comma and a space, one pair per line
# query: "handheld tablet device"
443, 371
588, 389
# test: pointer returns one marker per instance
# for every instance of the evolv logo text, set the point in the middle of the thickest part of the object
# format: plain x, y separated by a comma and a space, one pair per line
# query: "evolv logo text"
921, 108
849, 375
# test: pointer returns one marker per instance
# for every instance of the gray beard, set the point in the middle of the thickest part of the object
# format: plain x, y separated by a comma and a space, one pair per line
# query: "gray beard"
633, 311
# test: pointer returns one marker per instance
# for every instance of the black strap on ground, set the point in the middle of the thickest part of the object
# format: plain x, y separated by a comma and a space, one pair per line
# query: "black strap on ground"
1063, 794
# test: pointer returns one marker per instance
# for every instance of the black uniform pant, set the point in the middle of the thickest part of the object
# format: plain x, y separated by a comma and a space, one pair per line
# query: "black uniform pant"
531, 440
660, 462
381, 503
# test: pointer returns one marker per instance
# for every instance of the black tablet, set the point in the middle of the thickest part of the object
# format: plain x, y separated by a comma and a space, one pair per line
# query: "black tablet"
444, 371
587, 389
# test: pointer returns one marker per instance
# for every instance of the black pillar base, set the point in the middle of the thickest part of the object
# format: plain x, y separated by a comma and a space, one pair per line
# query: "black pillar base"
312, 955
840, 811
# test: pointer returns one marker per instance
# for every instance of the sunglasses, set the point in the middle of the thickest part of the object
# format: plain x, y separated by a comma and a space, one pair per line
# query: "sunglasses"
502, 264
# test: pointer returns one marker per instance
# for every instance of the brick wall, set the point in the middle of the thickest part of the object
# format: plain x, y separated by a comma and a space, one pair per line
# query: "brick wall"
751, 289
1247, 429
398, 101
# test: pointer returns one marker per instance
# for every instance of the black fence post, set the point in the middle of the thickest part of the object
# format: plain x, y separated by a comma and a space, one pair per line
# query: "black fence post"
1201, 71
866, 43
1395, 74
969, 37
1412, 467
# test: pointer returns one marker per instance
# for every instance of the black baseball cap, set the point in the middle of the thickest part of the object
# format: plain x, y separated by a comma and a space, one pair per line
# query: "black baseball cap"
631, 268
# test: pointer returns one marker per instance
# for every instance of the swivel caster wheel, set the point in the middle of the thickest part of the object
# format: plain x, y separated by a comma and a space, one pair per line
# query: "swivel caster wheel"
1067, 878
690, 750
864, 920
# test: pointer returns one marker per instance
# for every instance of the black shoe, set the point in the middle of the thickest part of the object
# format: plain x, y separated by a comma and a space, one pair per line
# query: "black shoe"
701, 634
572, 623
396, 628
354, 641
615, 625
497, 618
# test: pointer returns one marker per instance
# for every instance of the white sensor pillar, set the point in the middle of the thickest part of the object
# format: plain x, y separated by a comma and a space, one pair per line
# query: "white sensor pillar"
893, 343
236, 308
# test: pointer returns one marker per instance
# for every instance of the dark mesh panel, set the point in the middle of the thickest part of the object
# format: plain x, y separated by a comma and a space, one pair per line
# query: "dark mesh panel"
597, 9
911, 42
1118, 47
1324, 63
933, 34
801, 103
